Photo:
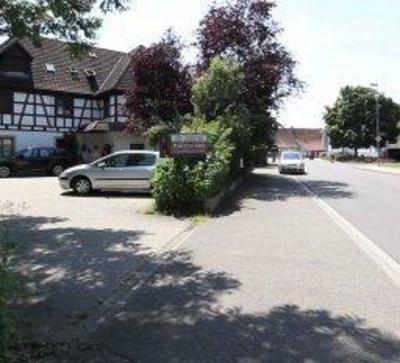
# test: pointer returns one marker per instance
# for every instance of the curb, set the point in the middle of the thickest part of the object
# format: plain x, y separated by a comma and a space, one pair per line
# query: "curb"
383, 171
380, 258
211, 205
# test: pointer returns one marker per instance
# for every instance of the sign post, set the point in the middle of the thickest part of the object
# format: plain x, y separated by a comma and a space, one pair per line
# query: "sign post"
194, 145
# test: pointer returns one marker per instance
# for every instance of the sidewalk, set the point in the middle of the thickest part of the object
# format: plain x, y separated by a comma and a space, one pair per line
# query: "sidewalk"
273, 279
376, 168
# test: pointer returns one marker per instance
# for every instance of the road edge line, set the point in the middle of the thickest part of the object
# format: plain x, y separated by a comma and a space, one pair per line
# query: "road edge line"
369, 247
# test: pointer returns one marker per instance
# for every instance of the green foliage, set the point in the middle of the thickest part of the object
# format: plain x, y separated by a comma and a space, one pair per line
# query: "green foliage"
73, 21
219, 95
181, 185
219, 90
173, 190
8, 287
214, 173
351, 121
156, 133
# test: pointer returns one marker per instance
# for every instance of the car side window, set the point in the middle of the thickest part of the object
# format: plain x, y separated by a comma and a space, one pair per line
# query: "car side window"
35, 153
141, 160
26, 153
115, 161
44, 153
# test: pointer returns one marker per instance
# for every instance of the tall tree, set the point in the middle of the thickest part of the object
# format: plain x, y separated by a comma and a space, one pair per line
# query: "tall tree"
70, 20
161, 84
245, 31
351, 120
219, 90
218, 96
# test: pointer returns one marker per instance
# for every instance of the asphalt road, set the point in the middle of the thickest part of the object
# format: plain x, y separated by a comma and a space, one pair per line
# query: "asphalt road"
369, 200
271, 279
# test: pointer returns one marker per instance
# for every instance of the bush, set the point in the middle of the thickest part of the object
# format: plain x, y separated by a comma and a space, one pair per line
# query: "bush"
173, 187
182, 185
343, 157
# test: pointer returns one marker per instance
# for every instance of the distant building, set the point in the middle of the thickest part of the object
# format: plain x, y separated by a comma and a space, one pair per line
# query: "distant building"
312, 142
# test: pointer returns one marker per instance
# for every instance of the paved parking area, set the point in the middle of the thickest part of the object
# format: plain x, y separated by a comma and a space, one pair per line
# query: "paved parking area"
76, 252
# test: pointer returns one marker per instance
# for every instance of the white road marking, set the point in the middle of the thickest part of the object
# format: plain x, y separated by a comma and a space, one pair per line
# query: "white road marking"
379, 256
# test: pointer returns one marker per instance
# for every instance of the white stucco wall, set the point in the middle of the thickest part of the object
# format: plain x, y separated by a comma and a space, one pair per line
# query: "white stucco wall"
25, 139
118, 140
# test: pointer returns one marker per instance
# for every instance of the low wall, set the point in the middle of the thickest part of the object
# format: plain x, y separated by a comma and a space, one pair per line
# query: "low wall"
211, 205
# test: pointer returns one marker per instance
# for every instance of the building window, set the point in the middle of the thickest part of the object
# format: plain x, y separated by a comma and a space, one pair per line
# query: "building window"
106, 107
65, 105
6, 102
6, 147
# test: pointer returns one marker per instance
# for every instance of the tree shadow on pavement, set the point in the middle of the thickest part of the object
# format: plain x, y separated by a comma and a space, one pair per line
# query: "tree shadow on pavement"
175, 318
168, 311
277, 188
67, 273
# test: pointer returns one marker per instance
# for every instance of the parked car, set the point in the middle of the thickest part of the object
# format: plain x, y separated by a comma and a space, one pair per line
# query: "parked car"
120, 171
35, 159
291, 161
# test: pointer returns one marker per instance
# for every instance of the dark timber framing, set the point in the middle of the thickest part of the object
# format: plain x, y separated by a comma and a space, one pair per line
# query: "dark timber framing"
35, 110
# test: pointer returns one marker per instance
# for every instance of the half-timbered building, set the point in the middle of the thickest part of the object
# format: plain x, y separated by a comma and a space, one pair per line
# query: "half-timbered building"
47, 97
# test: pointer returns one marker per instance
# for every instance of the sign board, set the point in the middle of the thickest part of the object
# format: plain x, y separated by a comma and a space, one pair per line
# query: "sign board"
378, 138
188, 144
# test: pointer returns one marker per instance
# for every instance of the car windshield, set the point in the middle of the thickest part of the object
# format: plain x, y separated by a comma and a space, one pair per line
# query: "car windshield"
291, 156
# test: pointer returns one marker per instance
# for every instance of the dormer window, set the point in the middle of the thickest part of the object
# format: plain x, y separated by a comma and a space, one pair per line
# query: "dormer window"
50, 68
92, 55
90, 73
74, 73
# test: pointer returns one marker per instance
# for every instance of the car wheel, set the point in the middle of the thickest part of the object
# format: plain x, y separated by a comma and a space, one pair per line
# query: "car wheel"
57, 169
5, 171
82, 185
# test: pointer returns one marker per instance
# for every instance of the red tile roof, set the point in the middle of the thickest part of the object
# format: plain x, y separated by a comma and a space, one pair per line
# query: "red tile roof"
110, 67
301, 138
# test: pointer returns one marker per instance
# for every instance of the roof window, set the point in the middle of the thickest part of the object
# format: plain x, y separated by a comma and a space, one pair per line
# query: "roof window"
90, 73
50, 68
74, 73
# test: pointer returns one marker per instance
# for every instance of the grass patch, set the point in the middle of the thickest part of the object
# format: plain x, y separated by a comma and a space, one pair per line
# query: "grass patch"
149, 210
200, 219
395, 165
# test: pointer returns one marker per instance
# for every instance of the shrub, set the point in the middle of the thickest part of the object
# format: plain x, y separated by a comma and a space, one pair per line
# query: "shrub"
182, 185
343, 157
173, 187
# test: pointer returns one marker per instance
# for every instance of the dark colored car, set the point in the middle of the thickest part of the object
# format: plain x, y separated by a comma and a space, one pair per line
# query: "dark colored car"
36, 159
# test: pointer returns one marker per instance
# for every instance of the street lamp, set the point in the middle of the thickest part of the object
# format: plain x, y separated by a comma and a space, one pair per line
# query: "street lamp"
378, 122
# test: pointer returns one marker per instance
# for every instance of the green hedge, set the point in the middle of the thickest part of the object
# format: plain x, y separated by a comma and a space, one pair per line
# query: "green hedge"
182, 185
